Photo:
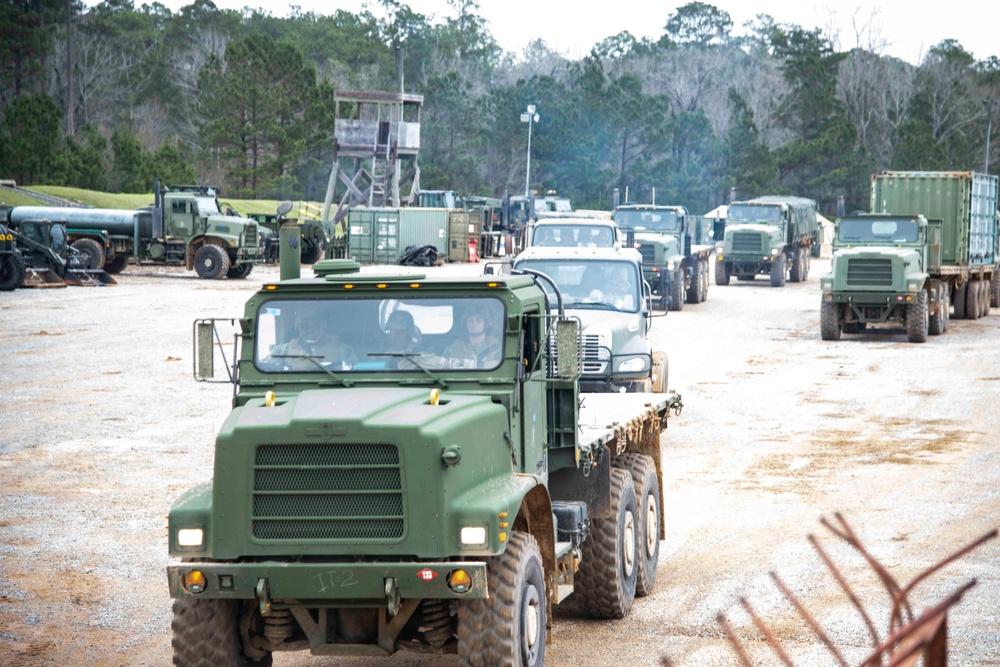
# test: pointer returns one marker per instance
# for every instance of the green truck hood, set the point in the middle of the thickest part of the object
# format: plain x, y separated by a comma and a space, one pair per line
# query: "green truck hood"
360, 471
878, 268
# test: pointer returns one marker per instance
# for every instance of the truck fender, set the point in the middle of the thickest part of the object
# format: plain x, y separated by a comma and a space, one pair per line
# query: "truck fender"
535, 517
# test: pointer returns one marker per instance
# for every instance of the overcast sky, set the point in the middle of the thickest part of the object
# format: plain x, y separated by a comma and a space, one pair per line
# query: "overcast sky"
905, 28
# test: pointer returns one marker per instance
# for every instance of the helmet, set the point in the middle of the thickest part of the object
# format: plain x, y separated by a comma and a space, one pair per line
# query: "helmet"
400, 320
310, 327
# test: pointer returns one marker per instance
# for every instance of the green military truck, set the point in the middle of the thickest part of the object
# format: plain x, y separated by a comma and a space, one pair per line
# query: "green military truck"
184, 226
37, 255
386, 493
676, 248
773, 235
928, 249
603, 288
11, 261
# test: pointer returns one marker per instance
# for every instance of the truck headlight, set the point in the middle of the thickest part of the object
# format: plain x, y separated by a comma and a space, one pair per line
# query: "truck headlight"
670, 265
775, 251
913, 285
473, 535
633, 365
190, 537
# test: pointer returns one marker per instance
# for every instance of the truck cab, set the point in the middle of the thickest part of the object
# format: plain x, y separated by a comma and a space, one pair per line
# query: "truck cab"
604, 288
675, 248
771, 235
572, 232
879, 275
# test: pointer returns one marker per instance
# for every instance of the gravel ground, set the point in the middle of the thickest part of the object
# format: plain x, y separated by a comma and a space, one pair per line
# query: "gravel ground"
102, 426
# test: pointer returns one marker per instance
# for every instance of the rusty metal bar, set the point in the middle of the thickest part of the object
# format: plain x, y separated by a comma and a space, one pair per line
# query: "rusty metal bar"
808, 618
772, 641
734, 641
846, 588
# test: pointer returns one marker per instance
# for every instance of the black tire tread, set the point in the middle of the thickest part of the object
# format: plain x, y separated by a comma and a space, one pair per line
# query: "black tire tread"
917, 319
641, 467
829, 321
205, 634
677, 290
11, 271
221, 258
721, 275
93, 250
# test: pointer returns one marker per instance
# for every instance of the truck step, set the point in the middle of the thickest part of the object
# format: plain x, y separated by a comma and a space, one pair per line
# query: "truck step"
563, 592
562, 548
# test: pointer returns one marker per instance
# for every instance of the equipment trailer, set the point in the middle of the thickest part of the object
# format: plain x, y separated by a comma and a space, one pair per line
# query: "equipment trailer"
395, 491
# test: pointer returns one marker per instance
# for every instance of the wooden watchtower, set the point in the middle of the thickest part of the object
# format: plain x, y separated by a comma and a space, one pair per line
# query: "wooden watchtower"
377, 136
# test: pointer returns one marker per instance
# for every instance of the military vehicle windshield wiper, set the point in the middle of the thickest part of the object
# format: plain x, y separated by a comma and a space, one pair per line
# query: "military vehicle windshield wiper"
411, 357
313, 358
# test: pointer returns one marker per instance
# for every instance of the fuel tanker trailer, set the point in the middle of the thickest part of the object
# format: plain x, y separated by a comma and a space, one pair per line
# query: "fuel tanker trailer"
184, 226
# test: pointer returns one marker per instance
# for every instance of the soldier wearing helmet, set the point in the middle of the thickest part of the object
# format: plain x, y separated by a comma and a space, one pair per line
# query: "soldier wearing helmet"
478, 343
315, 341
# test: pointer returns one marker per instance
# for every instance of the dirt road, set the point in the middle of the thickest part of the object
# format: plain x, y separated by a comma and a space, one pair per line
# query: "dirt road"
102, 427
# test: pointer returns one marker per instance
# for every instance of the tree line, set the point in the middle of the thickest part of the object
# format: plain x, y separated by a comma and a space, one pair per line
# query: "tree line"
116, 96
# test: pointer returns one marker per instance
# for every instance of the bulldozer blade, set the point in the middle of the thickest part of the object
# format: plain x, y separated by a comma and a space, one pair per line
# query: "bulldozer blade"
88, 278
41, 278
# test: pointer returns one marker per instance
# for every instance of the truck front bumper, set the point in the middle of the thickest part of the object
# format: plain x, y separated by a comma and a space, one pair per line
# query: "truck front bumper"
360, 584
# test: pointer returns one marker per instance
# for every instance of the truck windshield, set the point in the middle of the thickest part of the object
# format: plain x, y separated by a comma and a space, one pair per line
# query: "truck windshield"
880, 230
207, 206
573, 236
591, 283
751, 213
653, 220
376, 335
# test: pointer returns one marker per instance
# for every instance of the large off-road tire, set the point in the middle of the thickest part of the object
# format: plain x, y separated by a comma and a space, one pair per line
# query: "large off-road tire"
647, 494
605, 582
677, 290
830, 327
694, 292
960, 301
508, 628
937, 317
917, 319
207, 634
985, 297
705, 281
240, 271
806, 262
93, 251
311, 251
995, 290
211, 262
798, 268
11, 271
779, 271
972, 310
721, 274
116, 264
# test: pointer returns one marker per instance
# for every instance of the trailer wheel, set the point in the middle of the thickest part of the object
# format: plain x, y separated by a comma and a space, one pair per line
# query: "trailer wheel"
829, 321
311, 251
985, 297
93, 252
605, 582
11, 271
211, 262
972, 300
779, 271
721, 274
509, 627
694, 292
677, 290
116, 264
917, 319
945, 306
960, 301
647, 493
995, 290
207, 634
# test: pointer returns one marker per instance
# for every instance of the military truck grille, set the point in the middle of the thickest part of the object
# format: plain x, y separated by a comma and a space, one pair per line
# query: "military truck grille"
596, 350
869, 272
747, 242
327, 492
648, 253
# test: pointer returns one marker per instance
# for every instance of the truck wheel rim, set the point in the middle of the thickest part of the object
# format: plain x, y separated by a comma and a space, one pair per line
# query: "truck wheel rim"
530, 630
652, 528
628, 548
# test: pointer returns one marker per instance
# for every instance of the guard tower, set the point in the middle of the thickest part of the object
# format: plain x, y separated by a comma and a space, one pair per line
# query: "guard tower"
377, 136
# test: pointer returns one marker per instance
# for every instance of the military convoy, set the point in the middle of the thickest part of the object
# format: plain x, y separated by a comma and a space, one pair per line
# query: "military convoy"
772, 235
676, 249
185, 226
379, 491
927, 250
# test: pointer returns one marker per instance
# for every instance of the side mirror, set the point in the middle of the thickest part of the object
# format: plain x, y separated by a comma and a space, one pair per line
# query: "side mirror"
568, 348
283, 208
204, 357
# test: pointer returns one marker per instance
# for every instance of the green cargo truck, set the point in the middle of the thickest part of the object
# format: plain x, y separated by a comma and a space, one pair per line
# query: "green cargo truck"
773, 235
184, 226
380, 486
929, 249
676, 248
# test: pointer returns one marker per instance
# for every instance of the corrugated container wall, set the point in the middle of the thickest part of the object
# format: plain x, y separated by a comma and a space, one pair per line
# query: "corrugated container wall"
965, 202
364, 225
423, 226
381, 235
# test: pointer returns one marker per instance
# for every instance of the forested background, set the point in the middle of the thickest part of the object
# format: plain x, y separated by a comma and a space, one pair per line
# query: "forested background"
116, 96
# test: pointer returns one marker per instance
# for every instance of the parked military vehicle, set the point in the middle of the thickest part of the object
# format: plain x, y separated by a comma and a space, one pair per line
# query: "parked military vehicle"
399, 491
927, 250
572, 232
772, 235
676, 248
604, 289
37, 255
313, 237
184, 226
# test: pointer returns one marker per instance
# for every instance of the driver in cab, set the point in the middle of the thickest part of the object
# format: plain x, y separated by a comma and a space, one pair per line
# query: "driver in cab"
478, 347
315, 341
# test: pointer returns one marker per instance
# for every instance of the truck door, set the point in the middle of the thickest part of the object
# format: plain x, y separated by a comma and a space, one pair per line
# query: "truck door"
534, 421
180, 216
